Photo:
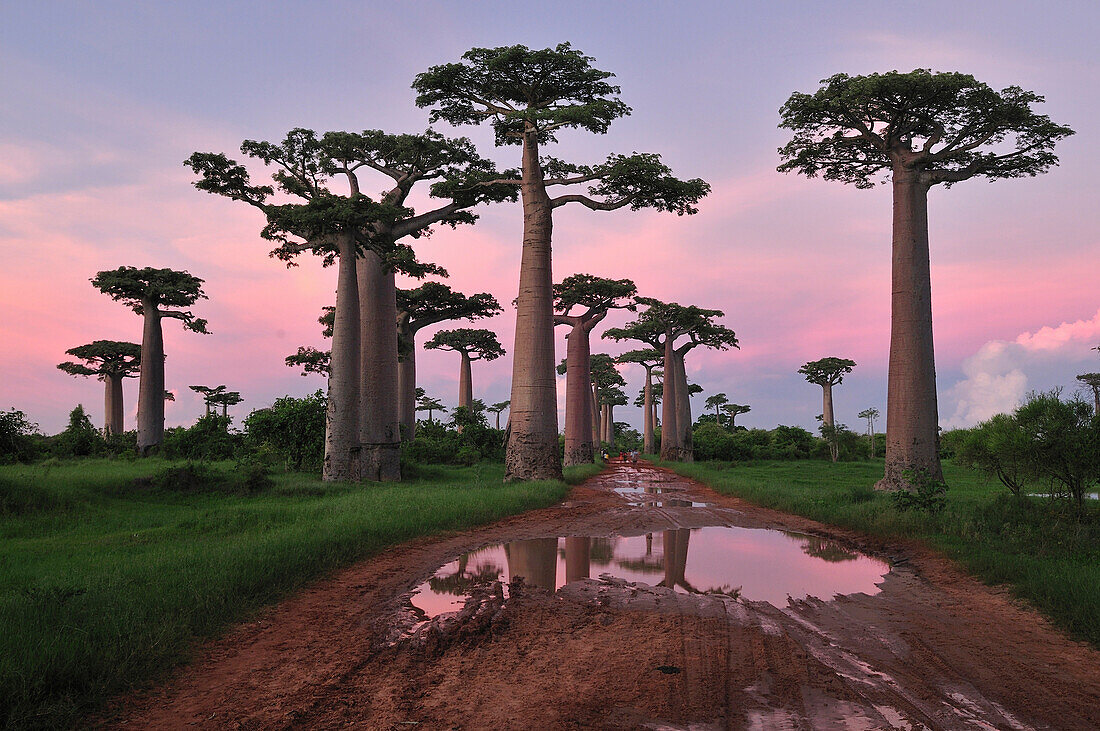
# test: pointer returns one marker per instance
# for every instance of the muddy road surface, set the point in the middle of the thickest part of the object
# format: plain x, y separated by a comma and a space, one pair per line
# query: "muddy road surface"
644, 601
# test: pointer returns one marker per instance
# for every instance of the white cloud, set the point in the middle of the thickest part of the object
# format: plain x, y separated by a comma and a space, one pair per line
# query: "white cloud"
998, 376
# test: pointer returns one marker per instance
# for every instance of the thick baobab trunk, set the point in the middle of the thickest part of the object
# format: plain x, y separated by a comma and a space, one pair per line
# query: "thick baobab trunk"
648, 440
670, 434
113, 408
912, 417
828, 419
611, 425
406, 382
465, 381
532, 452
676, 551
150, 415
379, 417
597, 435
342, 415
683, 412
578, 398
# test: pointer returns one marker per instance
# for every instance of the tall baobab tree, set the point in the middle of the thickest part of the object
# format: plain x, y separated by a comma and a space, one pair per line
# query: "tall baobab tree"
649, 359
529, 96
429, 304
921, 129
110, 361
732, 411
610, 397
497, 408
828, 372
363, 236
1092, 380
154, 294
471, 344
429, 404
209, 395
870, 415
595, 297
660, 325
716, 402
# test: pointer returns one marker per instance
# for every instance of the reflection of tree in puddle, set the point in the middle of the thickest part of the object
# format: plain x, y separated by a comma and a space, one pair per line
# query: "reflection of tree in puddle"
536, 560
676, 553
461, 583
824, 549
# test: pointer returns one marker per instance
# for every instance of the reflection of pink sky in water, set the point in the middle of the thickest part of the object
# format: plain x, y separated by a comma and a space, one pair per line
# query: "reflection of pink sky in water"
766, 565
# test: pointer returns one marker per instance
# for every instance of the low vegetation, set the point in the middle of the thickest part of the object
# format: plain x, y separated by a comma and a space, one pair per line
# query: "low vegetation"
111, 569
1043, 548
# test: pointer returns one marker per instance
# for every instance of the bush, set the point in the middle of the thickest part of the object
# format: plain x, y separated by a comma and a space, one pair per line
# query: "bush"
929, 494
292, 428
19, 438
80, 438
248, 477
208, 439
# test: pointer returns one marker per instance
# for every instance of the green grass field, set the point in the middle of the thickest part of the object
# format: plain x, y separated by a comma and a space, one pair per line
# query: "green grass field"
1042, 550
105, 584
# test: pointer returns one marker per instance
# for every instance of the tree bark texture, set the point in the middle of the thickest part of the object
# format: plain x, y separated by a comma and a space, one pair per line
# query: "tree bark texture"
151, 381
379, 414
342, 415
532, 451
912, 416
670, 434
406, 383
827, 417
578, 397
648, 440
113, 407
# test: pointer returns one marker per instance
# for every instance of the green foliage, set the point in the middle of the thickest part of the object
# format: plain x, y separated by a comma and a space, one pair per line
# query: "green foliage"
80, 438
19, 437
929, 494
159, 288
208, 439
946, 126
596, 295
292, 428
827, 371
434, 302
715, 442
104, 358
437, 443
476, 344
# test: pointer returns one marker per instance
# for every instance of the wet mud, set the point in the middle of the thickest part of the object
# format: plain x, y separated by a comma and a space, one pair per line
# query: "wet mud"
644, 601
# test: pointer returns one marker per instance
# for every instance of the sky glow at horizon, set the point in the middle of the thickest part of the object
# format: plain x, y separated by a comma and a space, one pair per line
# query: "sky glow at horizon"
103, 102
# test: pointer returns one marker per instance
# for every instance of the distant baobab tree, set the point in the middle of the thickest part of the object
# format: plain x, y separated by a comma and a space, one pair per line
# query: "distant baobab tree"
1092, 380
154, 294
650, 359
732, 410
582, 301
497, 408
110, 361
921, 129
471, 344
870, 415
529, 97
209, 395
828, 372
429, 404
716, 402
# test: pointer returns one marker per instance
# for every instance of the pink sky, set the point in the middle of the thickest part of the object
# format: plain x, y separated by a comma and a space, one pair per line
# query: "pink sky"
101, 108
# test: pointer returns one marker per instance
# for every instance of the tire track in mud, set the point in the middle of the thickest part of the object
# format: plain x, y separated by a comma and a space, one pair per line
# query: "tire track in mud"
933, 649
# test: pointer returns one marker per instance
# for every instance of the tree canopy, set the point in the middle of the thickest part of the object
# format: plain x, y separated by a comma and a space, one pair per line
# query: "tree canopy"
827, 371
159, 288
596, 295
104, 358
475, 344
947, 126
434, 302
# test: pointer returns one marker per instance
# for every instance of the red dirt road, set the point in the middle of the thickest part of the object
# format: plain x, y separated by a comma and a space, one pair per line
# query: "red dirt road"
934, 649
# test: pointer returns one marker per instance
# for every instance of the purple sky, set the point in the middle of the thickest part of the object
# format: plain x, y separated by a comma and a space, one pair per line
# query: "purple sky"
101, 102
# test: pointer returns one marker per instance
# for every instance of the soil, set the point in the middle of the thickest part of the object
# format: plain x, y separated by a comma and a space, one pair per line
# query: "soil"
934, 648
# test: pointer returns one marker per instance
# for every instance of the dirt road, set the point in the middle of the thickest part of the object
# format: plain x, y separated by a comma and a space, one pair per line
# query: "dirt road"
701, 643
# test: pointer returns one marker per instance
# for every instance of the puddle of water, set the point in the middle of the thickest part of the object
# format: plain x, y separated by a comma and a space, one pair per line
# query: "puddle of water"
753, 563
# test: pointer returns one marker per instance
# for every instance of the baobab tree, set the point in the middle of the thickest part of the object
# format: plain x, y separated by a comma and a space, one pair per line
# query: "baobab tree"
497, 408
870, 415
429, 304
471, 344
431, 405
110, 361
225, 399
581, 301
716, 402
610, 397
920, 129
529, 96
828, 372
649, 359
660, 325
732, 410
209, 395
1092, 380
363, 236
154, 294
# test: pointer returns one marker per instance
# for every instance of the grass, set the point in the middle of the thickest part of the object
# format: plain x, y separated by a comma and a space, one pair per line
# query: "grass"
107, 579
1042, 550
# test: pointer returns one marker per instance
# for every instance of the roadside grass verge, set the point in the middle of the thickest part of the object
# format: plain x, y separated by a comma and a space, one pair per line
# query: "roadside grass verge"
107, 578
1040, 549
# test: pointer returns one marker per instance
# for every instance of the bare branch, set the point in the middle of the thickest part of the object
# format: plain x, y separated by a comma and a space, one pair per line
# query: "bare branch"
588, 202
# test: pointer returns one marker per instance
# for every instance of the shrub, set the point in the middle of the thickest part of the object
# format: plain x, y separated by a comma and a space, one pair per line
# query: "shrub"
929, 494
208, 439
292, 428
19, 438
80, 438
